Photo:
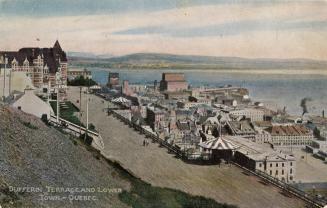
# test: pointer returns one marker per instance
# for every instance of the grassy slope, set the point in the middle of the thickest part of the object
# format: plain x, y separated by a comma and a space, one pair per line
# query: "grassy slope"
33, 154
67, 114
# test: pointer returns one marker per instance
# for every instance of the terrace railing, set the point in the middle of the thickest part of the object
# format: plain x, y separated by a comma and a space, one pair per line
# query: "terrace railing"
78, 130
287, 189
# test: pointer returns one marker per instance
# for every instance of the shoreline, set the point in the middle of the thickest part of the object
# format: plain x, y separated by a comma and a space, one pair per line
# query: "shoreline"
232, 71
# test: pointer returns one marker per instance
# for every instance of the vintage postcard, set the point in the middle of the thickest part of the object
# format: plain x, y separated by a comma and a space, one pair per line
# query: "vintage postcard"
163, 103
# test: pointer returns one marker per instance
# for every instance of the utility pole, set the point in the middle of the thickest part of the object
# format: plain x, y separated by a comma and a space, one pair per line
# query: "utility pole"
87, 109
0, 70
219, 120
87, 114
220, 130
10, 71
48, 93
80, 110
58, 85
108, 110
4, 77
58, 109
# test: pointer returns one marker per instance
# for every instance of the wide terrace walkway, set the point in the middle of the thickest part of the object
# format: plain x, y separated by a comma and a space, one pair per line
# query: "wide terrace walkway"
226, 184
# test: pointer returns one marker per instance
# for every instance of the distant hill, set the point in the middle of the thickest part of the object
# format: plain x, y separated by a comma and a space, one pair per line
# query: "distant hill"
88, 55
156, 60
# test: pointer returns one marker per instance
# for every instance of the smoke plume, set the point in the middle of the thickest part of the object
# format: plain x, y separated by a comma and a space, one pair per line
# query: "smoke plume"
304, 105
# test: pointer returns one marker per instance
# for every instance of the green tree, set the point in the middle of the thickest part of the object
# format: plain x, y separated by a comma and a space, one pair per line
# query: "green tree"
81, 81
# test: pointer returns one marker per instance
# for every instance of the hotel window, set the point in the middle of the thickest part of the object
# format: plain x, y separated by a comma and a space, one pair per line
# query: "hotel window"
270, 172
270, 164
276, 172
291, 164
291, 171
282, 172
282, 164
276, 164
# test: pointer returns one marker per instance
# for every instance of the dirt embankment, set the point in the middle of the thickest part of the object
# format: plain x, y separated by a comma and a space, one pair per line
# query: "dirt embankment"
43, 167
37, 158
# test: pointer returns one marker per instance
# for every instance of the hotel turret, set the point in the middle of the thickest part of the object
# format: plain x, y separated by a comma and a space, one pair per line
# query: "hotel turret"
40, 64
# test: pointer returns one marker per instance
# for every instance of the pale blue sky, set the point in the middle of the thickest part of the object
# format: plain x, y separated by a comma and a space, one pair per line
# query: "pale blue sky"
87, 7
252, 28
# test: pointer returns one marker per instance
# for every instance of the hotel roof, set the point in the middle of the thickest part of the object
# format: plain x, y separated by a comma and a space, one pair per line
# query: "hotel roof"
51, 56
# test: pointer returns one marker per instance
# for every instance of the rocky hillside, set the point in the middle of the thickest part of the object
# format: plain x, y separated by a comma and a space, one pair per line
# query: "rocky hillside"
43, 167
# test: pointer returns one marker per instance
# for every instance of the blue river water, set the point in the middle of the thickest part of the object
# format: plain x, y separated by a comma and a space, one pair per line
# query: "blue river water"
276, 90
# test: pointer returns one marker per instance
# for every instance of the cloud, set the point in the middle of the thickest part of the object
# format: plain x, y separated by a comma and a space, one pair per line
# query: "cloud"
226, 29
281, 30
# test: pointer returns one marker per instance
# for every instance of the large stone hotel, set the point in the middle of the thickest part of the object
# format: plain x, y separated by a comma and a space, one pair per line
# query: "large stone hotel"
40, 64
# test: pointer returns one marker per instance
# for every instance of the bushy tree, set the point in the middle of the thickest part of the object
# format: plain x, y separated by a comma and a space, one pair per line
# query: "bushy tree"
81, 81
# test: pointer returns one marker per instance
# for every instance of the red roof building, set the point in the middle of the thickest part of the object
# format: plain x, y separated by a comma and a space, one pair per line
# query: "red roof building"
173, 82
